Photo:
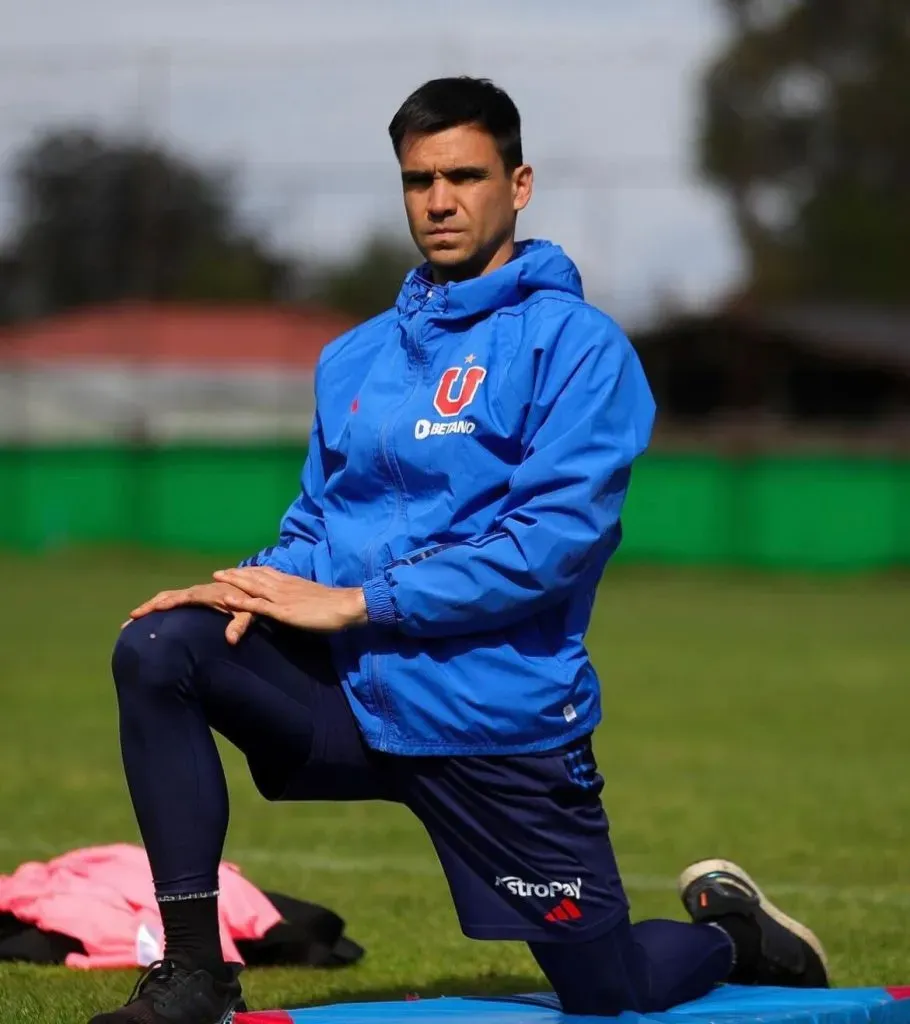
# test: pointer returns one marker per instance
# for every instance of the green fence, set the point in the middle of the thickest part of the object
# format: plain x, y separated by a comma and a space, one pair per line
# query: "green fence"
804, 513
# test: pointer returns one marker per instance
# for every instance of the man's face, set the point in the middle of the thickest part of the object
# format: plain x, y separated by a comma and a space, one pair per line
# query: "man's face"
460, 200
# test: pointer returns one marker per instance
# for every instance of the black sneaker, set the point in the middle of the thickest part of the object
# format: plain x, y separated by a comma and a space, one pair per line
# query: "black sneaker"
169, 993
784, 951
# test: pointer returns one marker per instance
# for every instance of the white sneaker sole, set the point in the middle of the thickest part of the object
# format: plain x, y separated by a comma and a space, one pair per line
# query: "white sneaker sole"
705, 867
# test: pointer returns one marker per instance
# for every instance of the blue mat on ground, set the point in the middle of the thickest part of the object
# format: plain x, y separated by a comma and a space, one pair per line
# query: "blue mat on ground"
728, 1004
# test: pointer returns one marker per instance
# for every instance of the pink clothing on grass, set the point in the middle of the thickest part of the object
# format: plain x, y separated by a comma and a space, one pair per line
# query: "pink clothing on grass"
103, 896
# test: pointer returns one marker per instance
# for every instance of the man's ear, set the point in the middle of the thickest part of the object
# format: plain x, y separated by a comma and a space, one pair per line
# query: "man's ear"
522, 186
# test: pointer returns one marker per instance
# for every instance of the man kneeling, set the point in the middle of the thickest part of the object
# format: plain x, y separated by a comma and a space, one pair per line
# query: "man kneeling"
417, 633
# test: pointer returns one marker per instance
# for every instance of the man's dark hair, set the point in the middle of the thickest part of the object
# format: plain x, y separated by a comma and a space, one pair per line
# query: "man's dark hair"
449, 102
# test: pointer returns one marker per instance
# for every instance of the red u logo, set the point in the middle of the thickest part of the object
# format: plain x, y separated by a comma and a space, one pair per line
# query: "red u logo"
448, 404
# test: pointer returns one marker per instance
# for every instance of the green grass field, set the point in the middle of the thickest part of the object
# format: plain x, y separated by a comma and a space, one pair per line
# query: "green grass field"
759, 718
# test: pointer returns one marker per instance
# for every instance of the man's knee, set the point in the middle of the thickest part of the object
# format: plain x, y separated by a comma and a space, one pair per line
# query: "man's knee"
162, 648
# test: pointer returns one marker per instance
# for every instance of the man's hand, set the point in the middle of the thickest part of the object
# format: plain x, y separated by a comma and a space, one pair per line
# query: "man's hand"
292, 600
209, 595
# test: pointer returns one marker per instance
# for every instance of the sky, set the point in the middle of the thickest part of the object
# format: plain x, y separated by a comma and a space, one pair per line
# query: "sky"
295, 97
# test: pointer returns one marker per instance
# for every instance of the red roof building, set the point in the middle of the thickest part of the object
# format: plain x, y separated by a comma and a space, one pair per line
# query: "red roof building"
221, 337
163, 372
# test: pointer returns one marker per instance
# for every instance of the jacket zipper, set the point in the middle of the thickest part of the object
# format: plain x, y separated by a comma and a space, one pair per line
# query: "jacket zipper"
375, 678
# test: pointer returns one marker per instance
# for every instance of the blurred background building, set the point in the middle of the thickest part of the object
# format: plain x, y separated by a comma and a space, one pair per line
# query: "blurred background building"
196, 197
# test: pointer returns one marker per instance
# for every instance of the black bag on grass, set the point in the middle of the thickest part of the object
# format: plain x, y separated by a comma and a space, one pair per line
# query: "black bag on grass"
308, 935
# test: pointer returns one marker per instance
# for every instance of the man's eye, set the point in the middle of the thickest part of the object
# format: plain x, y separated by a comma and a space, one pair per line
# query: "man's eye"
460, 177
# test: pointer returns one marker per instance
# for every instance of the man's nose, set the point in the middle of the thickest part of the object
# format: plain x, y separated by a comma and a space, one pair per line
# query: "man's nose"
442, 200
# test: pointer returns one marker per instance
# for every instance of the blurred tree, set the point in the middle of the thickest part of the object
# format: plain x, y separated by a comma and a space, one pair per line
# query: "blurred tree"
368, 282
102, 220
9, 276
807, 128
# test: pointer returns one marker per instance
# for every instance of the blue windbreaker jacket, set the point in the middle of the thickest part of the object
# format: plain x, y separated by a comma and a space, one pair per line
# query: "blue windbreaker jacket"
468, 464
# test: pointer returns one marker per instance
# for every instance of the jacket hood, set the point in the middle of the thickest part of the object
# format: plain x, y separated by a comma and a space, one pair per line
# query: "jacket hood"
536, 265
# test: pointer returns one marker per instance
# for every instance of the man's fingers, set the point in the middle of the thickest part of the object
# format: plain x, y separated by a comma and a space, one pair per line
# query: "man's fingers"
168, 599
246, 603
235, 575
162, 600
252, 581
238, 626
147, 606
261, 571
